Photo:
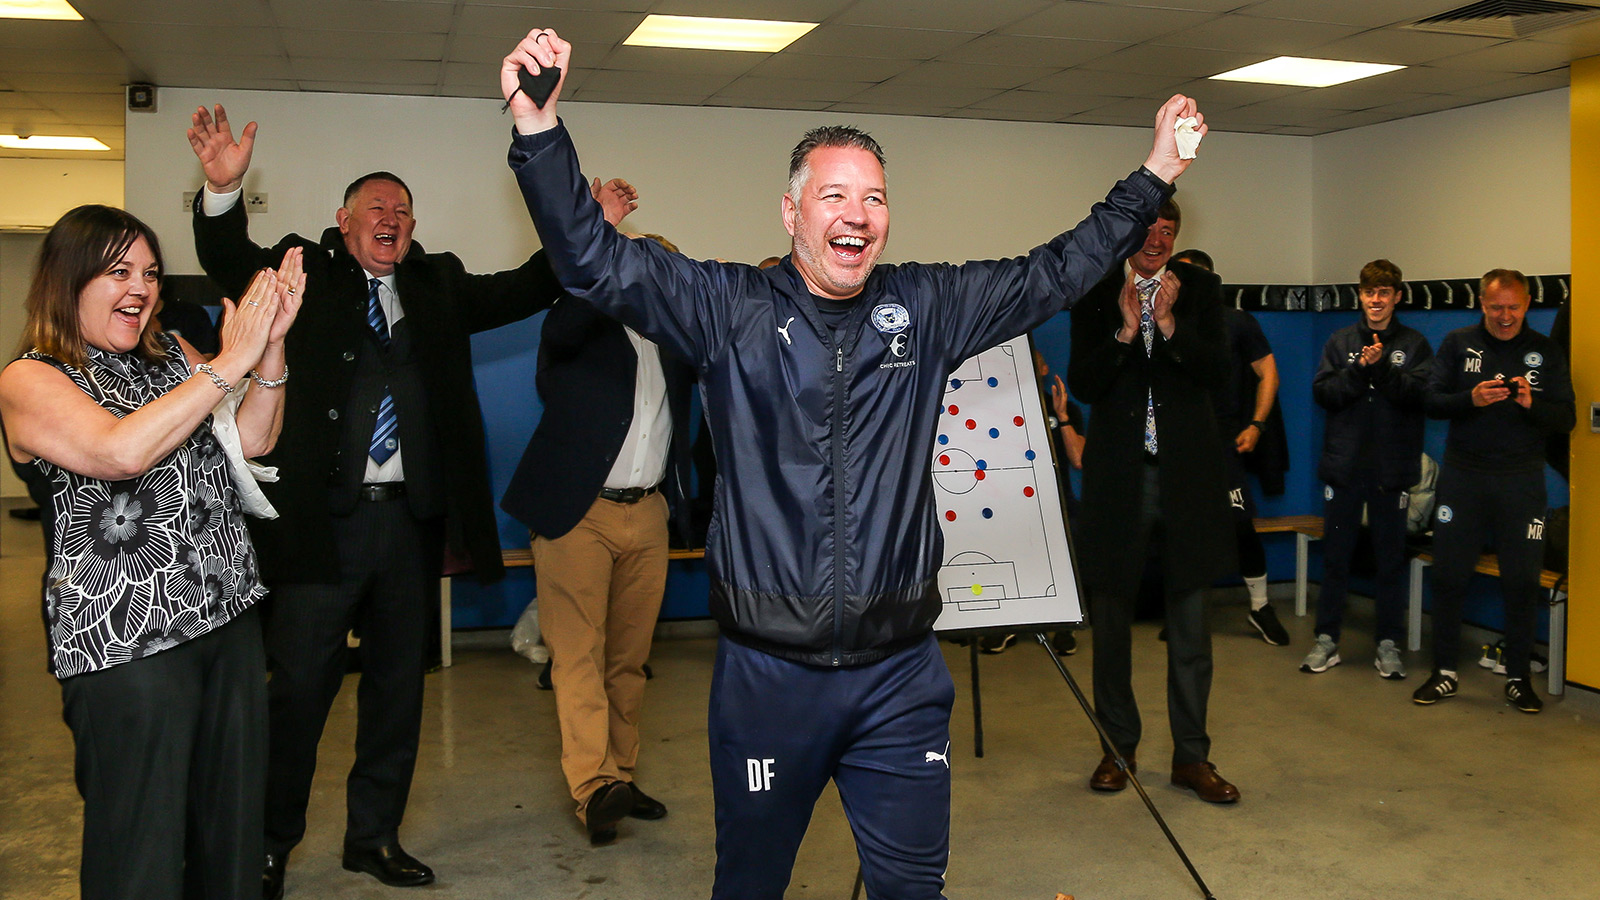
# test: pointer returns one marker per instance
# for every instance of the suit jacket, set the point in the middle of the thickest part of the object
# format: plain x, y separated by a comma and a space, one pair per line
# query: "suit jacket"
1182, 373
587, 373
443, 302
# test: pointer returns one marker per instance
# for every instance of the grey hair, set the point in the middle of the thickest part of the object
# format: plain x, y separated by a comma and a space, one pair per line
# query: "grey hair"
827, 136
1505, 277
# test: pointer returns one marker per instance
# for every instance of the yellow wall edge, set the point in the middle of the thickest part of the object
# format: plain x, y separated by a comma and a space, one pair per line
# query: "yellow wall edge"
1583, 621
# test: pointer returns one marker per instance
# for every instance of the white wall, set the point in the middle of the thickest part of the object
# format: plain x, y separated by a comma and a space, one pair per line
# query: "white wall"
38, 191
711, 178
1448, 195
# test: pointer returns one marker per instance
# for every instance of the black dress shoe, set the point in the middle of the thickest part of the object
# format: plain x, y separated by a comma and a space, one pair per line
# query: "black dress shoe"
544, 677
272, 876
389, 864
645, 806
607, 806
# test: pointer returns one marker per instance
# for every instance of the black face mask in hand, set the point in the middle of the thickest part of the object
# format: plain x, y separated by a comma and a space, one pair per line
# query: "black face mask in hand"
537, 88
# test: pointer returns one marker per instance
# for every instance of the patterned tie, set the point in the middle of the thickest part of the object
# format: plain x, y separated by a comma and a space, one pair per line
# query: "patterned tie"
383, 443
1147, 327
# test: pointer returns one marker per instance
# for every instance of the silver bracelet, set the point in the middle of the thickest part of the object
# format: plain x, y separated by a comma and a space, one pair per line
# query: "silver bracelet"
276, 382
215, 378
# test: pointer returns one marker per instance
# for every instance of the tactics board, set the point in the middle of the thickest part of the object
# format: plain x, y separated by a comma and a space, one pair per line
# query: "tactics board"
1007, 558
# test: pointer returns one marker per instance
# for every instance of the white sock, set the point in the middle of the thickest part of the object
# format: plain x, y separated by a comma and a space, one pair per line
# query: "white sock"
1448, 673
1258, 591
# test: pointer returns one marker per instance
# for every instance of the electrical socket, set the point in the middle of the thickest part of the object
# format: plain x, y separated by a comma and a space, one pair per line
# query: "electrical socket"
256, 203
188, 201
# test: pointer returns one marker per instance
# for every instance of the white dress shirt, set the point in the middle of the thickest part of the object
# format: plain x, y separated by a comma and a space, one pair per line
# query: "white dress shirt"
642, 461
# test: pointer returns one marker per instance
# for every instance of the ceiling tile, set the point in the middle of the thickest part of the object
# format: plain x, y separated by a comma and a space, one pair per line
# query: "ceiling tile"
976, 18
1003, 115
365, 71
1583, 37
1106, 23
222, 71
687, 62
1520, 57
1516, 87
489, 92
786, 90
1298, 130
1016, 49
829, 68
1359, 119
1148, 59
1428, 80
890, 109
66, 83
145, 40
53, 35
86, 62
649, 99
1365, 13
638, 6
1057, 105
1249, 34
1342, 98
877, 43
948, 74
364, 45
511, 25
1423, 105
1235, 93
1269, 113
102, 104
364, 87
368, 15
176, 12
905, 95
615, 81
1111, 84
1406, 48
18, 100
490, 50
785, 10
31, 121
757, 103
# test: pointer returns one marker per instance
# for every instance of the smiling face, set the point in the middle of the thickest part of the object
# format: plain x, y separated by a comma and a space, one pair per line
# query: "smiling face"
1505, 304
115, 307
1377, 305
839, 220
377, 225
1157, 248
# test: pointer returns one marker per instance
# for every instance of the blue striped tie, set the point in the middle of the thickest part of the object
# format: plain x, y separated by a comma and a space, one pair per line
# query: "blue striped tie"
384, 443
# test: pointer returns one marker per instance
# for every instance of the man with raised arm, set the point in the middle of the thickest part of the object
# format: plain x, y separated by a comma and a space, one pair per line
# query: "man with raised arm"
824, 378
381, 464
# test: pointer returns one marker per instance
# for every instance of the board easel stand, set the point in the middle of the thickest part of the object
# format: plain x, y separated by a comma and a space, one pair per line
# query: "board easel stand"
1105, 741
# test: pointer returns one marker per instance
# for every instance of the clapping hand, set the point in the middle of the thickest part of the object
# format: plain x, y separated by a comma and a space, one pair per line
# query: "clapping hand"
223, 159
290, 287
1371, 353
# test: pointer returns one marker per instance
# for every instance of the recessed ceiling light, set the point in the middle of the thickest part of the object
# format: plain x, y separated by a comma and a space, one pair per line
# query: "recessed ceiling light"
38, 9
1303, 72
49, 142
701, 33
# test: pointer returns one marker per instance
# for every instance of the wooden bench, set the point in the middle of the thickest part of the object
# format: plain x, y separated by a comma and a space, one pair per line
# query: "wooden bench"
514, 558
1305, 530
1489, 564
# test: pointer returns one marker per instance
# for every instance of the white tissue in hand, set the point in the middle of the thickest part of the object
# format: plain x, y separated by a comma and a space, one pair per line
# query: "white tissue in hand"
1188, 137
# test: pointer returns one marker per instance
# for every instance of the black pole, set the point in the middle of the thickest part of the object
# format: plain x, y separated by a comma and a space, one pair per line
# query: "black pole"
977, 702
1122, 764
856, 894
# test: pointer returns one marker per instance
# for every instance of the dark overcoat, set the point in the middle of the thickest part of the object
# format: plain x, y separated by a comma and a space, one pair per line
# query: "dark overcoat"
444, 305
1182, 373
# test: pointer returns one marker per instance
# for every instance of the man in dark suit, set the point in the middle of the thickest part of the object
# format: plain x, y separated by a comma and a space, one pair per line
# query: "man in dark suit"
594, 486
380, 465
1148, 350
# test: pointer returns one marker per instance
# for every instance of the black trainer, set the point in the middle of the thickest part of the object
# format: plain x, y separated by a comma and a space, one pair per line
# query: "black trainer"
1439, 687
1266, 622
1519, 693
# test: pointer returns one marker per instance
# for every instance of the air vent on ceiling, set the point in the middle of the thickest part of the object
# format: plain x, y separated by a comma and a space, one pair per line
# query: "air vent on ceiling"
1509, 19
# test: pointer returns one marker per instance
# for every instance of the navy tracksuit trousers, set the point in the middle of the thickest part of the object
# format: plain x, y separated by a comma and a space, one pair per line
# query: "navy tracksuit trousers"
780, 730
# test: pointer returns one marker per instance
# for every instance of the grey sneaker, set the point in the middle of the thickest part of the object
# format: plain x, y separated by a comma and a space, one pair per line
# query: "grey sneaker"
1388, 662
1323, 656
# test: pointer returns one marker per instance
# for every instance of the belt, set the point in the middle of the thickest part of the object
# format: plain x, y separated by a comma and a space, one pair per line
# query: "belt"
382, 490
1150, 459
627, 495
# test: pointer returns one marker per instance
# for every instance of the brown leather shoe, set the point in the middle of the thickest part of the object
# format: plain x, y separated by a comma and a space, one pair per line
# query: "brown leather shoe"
1108, 778
1202, 778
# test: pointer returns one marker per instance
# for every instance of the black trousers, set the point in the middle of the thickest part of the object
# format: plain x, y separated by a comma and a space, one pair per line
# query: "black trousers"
1476, 509
1386, 517
1188, 653
389, 564
170, 751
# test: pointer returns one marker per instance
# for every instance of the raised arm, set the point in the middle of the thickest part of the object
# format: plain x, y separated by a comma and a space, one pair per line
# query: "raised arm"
223, 159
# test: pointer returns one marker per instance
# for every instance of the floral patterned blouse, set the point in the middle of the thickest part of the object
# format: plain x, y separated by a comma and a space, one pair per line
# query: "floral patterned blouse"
139, 566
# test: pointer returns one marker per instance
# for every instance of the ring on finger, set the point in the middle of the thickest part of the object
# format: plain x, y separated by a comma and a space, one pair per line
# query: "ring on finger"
291, 291
254, 302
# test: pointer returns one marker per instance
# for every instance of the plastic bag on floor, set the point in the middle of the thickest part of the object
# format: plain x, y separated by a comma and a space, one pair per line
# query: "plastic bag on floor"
525, 638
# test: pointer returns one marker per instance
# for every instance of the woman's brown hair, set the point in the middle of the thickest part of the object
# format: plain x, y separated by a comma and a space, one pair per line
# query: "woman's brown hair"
83, 245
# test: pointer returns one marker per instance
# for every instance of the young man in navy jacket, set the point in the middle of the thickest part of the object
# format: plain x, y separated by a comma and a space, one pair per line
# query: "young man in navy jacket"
1370, 382
1505, 389
824, 378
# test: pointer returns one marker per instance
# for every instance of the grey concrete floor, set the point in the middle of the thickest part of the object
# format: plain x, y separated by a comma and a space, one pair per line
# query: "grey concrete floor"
1349, 790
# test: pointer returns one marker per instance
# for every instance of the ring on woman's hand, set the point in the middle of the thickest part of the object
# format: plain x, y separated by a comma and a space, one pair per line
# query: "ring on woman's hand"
291, 292
253, 302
